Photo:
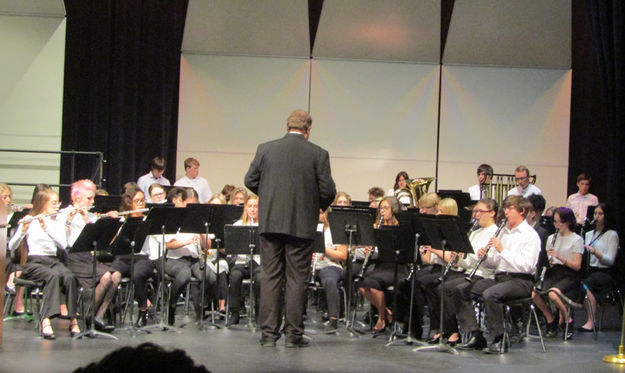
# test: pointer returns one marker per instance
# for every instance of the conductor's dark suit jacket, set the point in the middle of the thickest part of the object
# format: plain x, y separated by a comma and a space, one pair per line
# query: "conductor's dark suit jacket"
293, 180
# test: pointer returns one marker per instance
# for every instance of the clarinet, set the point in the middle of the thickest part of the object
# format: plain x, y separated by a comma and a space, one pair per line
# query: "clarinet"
361, 275
481, 260
311, 282
553, 245
541, 282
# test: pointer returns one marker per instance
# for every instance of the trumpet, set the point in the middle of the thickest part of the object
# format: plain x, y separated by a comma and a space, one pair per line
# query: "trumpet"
483, 257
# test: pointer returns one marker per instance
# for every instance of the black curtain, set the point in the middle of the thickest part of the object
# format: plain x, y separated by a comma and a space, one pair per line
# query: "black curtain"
122, 72
597, 99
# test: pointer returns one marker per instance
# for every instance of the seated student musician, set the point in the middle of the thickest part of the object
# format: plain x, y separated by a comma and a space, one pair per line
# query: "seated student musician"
524, 188
328, 269
12, 269
191, 179
133, 200
428, 205
215, 260
484, 177
458, 291
381, 275
579, 202
399, 190
564, 249
240, 265
602, 244
237, 197
157, 193
431, 283
76, 217
155, 176
184, 251
513, 255
44, 236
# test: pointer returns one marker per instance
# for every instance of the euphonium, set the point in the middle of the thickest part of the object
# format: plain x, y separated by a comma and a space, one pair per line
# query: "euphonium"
415, 188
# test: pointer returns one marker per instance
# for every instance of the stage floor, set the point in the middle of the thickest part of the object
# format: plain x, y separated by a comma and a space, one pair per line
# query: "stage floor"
236, 350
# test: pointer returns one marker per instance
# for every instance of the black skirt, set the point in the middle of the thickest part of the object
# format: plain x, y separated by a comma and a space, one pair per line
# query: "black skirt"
564, 279
81, 264
382, 276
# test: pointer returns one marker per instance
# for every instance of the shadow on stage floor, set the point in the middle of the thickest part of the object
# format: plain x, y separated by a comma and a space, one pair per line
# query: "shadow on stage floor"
236, 350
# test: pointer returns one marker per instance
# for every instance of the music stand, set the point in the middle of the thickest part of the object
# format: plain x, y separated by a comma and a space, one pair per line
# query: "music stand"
130, 239
93, 237
236, 238
351, 226
164, 220
199, 221
447, 230
104, 204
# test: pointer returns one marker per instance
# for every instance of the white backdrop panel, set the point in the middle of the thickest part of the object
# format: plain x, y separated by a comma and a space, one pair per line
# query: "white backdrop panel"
375, 119
505, 117
31, 97
228, 105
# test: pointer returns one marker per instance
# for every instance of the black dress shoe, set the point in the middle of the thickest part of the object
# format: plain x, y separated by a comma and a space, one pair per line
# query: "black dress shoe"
476, 342
497, 347
171, 315
584, 330
264, 342
142, 319
332, 327
101, 326
567, 333
298, 343
234, 319
17, 314
552, 329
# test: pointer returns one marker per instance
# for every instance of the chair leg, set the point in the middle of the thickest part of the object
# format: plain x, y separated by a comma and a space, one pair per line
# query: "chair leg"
592, 315
540, 333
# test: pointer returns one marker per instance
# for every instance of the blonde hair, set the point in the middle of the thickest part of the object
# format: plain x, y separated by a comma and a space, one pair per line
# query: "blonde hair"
430, 200
244, 216
448, 206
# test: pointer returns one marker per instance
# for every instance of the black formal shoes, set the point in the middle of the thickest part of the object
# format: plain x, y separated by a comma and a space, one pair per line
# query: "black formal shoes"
264, 342
142, 319
498, 346
332, 327
297, 343
234, 318
476, 342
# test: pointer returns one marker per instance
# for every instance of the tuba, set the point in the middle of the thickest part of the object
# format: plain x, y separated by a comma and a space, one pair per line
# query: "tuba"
415, 188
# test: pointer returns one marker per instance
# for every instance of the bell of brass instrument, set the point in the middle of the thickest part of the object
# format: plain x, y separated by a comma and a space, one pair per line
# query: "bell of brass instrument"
481, 260
415, 188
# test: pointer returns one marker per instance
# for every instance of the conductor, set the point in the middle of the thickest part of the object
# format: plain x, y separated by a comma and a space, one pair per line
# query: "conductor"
293, 180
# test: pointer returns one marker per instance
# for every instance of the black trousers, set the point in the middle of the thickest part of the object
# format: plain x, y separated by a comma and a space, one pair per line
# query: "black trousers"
286, 261
181, 269
57, 279
504, 287
461, 301
238, 273
143, 270
329, 278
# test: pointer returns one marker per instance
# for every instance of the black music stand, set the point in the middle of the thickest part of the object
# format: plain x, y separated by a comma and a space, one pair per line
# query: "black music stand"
104, 204
351, 226
214, 217
164, 220
236, 238
447, 230
129, 241
165, 204
93, 237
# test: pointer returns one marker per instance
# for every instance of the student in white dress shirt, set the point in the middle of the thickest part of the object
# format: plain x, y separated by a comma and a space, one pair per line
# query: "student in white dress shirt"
513, 255
565, 249
579, 202
603, 244
241, 267
524, 188
155, 175
484, 177
44, 236
192, 180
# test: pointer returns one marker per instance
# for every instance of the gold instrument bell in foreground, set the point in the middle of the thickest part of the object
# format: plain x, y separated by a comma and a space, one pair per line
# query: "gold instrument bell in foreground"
415, 188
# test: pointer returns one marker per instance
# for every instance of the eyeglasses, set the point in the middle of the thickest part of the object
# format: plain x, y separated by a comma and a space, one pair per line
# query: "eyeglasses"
481, 211
521, 178
142, 200
385, 207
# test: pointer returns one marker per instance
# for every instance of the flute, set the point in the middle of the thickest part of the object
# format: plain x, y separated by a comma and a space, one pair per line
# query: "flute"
30, 218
